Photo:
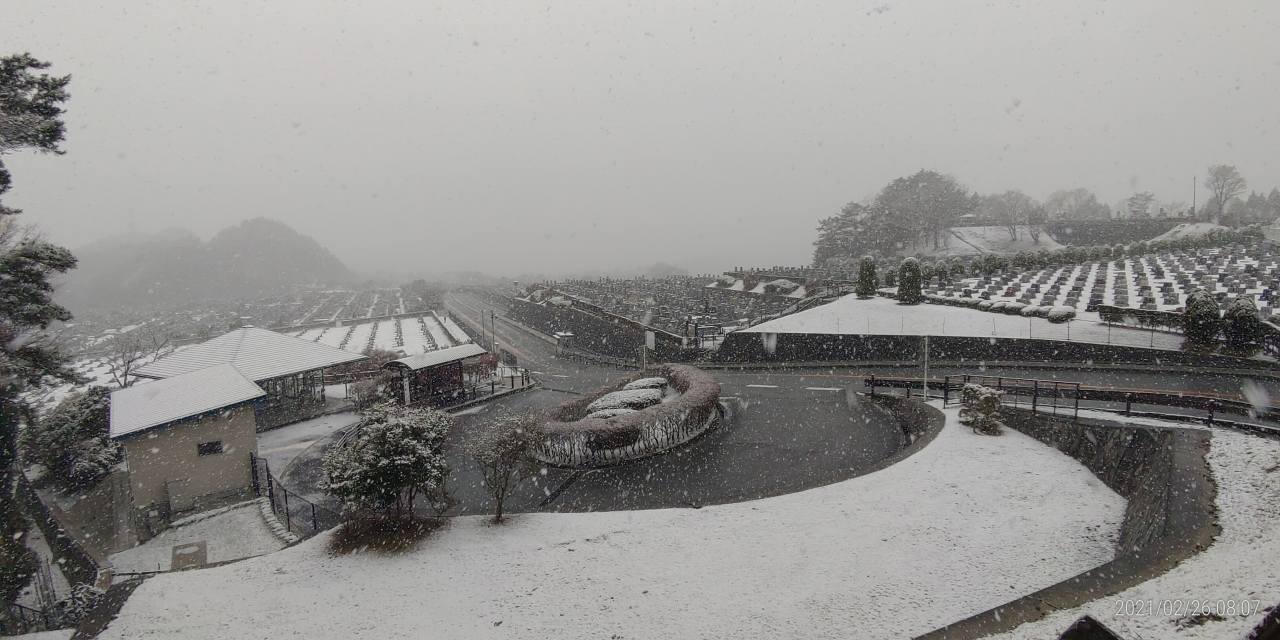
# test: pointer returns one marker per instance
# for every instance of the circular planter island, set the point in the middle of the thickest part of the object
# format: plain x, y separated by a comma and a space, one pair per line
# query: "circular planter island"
645, 414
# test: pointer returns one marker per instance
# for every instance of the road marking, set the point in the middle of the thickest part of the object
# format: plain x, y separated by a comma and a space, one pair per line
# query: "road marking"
824, 388
763, 386
559, 375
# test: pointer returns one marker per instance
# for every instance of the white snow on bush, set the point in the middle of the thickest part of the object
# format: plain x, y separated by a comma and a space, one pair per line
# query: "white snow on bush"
966, 524
626, 399
610, 413
646, 383
1242, 564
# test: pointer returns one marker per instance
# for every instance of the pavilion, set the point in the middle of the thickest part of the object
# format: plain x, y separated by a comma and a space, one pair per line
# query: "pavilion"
436, 377
290, 370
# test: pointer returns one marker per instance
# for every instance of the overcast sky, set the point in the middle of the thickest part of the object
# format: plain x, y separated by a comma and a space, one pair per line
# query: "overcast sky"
516, 137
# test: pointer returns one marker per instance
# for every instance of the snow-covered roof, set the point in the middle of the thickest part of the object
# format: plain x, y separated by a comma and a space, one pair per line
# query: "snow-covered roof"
259, 354
438, 357
144, 406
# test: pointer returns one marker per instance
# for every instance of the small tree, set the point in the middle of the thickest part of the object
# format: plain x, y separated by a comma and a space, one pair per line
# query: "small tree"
866, 277
909, 281
397, 455
502, 451
128, 352
71, 441
980, 409
1240, 323
1200, 319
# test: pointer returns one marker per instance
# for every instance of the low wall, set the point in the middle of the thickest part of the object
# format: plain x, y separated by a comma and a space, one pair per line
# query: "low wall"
801, 347
1162, 526
571, 440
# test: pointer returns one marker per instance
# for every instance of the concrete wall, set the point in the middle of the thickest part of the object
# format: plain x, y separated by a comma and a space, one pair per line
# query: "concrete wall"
166, 470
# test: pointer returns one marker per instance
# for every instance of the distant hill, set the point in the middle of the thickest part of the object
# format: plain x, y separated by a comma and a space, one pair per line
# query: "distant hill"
174, 266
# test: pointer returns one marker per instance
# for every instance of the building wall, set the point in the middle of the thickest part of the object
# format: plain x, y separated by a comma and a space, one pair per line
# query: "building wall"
166, 469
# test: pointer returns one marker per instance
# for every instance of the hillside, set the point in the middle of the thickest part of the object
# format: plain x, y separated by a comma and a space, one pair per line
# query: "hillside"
175, 266
971, 241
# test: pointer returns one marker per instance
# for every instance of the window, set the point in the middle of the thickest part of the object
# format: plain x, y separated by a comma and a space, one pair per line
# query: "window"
209, 448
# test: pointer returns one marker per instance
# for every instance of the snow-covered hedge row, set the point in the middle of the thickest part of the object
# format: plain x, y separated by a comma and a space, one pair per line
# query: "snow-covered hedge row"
626, 399
573, 438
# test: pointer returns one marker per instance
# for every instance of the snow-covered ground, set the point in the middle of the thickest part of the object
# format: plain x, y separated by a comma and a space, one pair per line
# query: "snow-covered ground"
415, 341
884, 316
965, 524
1243, 564
972, 241
333, 336
1189, 230
358, 341
386, 335
228, 534
438, 333
455, 332
280, 446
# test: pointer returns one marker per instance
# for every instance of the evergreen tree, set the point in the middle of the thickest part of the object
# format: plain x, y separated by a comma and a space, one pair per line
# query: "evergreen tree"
1240, 323
1201, 319
396, 456
72, 440
909, 281
30, 119
866, 277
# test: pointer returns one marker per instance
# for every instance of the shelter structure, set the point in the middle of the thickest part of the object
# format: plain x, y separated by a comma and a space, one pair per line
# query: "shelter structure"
438, 377
187, 440
289, 370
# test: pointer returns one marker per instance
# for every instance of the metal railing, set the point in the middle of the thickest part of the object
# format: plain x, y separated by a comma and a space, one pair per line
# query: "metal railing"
1050, 395
16, 619
298, 515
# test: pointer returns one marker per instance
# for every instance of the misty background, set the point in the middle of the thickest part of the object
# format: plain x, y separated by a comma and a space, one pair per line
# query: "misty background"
512, 138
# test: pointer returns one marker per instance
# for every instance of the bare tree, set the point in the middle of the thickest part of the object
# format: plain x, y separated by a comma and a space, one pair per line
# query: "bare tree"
502, 451
1225, 183
127, 352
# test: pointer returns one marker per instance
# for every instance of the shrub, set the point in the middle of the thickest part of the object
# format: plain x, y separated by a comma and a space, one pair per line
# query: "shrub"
1030, 310
1201, 320
1012, 308
986, 305
626, 399
77, 604
646, 383
1240, 323
397, 455
1060, 314
980, 409
71, 441
909, 282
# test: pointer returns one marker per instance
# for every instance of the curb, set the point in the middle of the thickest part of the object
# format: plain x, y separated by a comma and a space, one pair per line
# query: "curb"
278, 530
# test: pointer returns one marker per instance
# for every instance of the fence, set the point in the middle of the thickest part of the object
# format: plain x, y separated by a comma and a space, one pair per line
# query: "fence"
298, 515
1039, 395
16, 619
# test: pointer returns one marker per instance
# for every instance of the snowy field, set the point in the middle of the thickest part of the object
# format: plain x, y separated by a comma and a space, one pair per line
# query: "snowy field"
358, 341
1243, 563
333, 336
455, 332
438, 333
229, 534
967, 523
884, 316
